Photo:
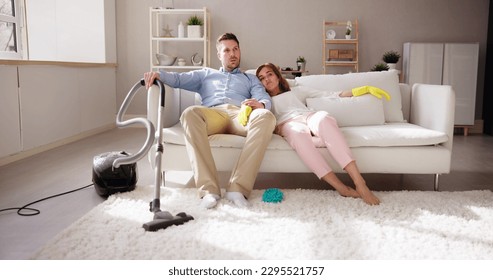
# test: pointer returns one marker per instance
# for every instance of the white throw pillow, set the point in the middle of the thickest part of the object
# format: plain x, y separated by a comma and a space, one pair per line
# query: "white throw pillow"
350, 111
386, 80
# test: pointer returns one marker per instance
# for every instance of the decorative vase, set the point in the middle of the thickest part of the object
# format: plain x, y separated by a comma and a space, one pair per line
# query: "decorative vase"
348, 37
181, 30
194, 31
301, 66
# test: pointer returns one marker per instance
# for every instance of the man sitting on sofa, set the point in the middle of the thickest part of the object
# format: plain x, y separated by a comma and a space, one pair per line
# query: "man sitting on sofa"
223, 92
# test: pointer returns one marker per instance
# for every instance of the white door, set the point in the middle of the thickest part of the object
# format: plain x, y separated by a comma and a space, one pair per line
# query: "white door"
422, 63
460, 70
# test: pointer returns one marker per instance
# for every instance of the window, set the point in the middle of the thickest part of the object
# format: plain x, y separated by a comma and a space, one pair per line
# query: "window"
10, 29
59, 30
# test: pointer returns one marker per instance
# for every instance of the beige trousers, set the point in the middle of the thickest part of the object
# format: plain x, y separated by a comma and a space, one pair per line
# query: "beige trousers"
199, 122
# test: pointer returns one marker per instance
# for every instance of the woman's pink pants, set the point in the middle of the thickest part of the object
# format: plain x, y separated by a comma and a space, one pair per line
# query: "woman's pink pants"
299, 133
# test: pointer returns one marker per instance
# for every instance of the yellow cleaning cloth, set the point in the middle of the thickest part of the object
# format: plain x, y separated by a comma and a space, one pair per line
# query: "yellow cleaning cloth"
244, 114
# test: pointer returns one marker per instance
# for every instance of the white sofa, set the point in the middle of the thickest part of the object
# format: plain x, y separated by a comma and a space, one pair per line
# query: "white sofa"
410, 134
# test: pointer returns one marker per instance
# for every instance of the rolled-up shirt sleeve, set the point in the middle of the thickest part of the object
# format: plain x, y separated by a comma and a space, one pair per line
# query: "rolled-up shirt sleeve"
191, 80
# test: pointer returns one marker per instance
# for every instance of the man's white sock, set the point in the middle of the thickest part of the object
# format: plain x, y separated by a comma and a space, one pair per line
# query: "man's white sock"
238, 199
209, 201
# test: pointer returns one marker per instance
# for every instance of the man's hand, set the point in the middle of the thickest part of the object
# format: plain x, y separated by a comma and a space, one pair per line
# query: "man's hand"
247, 106
254, 103
149, 78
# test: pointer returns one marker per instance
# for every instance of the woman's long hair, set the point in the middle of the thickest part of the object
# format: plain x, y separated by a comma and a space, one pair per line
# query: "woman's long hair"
283, 83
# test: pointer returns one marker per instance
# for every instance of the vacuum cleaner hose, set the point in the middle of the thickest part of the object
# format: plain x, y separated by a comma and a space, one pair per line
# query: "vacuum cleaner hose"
123, 123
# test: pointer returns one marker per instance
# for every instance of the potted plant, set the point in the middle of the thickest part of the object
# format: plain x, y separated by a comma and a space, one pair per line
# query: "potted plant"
382, 66
349, 28
301, 63
391, 58
193, 28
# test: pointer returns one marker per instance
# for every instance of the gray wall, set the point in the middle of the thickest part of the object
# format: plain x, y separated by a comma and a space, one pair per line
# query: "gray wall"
278, 31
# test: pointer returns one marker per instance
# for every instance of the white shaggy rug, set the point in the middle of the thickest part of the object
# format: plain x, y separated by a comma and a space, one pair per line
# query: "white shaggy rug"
308, 224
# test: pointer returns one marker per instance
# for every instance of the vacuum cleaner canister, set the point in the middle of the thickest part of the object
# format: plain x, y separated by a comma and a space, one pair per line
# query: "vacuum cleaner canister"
108, 179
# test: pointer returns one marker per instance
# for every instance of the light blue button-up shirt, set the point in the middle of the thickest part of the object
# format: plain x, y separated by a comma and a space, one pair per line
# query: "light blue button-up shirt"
218, 87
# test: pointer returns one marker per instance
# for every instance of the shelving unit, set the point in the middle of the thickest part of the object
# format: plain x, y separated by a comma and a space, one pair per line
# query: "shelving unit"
168, 19
339, 52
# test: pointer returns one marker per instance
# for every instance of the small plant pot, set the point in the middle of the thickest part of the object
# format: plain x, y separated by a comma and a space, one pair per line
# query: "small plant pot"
391, 65
348, 37
194, 31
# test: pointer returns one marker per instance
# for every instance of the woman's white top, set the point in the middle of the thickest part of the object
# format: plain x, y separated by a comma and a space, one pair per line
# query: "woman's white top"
290, 104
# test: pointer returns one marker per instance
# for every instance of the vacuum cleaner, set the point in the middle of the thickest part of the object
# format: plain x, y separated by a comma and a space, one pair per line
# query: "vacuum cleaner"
107, 179
116, 171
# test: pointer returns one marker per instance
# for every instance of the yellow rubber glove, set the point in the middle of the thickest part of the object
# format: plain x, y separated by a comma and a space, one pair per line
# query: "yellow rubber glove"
377, 92
244, 114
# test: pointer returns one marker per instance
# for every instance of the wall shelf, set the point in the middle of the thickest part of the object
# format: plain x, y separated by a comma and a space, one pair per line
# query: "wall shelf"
181, 47
332, 45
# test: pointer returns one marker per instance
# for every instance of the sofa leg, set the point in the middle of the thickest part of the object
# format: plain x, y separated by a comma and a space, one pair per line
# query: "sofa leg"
437, 181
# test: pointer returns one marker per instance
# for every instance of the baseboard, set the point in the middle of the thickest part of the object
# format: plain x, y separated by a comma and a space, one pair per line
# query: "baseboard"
28, 153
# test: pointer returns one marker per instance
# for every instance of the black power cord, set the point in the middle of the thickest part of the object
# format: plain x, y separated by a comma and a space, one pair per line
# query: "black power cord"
36, 211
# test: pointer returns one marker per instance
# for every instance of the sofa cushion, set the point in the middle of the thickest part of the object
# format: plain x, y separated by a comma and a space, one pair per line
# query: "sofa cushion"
386, 80
350, 111
175, 135
393, 134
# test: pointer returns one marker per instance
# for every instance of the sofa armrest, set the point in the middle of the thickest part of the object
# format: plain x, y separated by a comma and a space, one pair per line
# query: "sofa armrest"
406, 100
171, 113
433, 107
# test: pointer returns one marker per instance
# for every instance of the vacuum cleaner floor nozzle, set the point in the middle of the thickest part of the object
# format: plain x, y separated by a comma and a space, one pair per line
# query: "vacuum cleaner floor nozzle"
163, 220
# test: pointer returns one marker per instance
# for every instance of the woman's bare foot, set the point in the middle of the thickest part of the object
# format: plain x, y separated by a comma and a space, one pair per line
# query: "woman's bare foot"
359, 182
348, 192
342, 189
367, 195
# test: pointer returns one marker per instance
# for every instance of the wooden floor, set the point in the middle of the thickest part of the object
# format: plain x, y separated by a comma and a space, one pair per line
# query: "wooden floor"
69, 167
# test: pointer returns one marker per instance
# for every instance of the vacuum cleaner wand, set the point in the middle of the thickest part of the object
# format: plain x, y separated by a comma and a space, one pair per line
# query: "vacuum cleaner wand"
162, 219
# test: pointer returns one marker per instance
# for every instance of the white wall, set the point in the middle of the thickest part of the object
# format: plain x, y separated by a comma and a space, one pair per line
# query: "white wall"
10, 137
281, 30
76, 100
43, 106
